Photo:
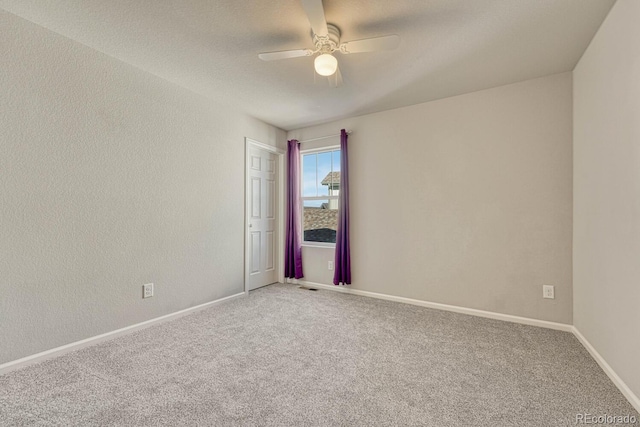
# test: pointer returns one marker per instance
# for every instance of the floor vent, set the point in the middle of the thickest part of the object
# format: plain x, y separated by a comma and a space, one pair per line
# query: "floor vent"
306, 288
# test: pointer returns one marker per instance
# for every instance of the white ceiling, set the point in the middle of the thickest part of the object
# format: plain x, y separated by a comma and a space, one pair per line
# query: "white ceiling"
211, 47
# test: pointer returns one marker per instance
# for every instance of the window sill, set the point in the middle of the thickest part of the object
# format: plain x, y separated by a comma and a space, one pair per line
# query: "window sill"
319, 245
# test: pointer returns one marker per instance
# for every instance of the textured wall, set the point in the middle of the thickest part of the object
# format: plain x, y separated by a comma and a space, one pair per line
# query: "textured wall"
464, 201
110, 178
606, 211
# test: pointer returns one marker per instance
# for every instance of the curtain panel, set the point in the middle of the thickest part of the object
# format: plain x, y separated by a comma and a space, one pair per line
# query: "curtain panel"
293, 245
342, 272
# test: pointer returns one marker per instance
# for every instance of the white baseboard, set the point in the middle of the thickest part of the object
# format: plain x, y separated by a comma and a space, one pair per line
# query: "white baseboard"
58, 351
622, 386
445, 307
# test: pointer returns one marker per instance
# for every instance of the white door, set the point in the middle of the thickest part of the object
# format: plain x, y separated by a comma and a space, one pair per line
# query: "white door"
263, 197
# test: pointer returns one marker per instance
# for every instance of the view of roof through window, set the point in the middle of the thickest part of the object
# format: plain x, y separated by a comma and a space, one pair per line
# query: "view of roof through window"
320, 190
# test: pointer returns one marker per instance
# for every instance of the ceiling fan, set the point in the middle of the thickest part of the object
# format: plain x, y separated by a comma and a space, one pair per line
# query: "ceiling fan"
326, 39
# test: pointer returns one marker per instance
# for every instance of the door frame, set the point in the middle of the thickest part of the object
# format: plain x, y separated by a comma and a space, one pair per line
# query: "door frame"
248, 143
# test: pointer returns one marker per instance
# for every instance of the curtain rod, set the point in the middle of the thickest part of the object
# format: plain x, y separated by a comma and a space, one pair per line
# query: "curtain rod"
324, 137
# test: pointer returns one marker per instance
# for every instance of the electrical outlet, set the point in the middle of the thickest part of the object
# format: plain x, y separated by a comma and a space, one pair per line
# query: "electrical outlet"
548, 291
330, 267
147, 290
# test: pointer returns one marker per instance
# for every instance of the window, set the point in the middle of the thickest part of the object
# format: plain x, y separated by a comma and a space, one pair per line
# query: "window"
320, 189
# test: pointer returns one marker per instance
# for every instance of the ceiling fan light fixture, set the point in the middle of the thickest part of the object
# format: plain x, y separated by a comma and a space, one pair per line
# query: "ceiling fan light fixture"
325, 64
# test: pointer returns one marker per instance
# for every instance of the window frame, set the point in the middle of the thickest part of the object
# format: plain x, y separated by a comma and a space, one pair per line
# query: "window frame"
320, 150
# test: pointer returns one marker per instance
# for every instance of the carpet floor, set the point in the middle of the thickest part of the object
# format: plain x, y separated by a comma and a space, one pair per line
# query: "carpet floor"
285, 356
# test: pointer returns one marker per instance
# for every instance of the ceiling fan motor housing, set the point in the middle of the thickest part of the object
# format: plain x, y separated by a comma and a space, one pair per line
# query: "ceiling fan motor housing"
330, 42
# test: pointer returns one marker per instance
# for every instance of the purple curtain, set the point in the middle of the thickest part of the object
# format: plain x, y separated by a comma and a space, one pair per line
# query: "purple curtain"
343, 248
293, 246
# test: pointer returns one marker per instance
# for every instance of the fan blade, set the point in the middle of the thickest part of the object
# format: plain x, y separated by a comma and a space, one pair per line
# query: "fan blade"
371, 45
285, 54
336, 79
315, 13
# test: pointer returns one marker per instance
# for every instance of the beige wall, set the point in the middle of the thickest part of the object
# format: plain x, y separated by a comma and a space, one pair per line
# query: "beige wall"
607, 192
464, 201
110, 178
